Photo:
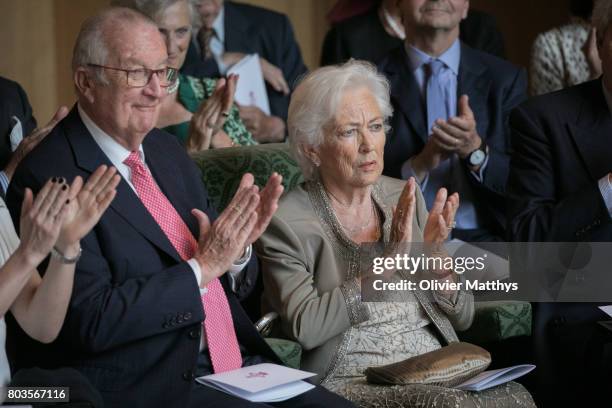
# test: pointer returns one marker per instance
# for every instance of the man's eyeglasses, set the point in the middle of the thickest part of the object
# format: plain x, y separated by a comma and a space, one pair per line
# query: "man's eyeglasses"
138, 78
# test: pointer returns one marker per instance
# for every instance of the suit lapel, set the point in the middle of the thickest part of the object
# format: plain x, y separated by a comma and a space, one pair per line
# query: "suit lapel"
593, 137
406, 93
236, 28
126, 203
475, 85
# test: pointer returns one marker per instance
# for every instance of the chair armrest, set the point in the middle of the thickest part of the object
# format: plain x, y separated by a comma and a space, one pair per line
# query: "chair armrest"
498, 320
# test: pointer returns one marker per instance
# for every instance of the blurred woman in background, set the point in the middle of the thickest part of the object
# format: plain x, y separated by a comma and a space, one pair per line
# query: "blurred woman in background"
566, 55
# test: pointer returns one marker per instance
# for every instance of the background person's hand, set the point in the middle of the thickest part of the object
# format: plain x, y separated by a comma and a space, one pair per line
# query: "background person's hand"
221, 243
458, 134
274, 76
29, 142
87, 204
41, 220
210, 117
230, 58
428, 159
264, 128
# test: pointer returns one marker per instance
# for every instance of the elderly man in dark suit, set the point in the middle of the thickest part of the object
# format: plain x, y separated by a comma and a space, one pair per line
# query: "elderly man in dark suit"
231, 30
560, 190
152, 306
17, 129
450, 125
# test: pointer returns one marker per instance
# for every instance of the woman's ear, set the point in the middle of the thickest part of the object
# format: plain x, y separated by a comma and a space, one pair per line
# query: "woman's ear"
312, 153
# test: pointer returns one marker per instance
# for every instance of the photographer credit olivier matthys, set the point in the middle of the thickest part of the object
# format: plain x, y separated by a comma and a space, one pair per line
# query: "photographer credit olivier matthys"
433, 284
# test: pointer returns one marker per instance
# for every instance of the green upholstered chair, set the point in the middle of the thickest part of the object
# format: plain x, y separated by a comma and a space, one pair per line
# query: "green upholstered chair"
221, 173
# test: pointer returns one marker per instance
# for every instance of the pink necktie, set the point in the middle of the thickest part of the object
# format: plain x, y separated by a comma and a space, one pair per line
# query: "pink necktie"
218, 323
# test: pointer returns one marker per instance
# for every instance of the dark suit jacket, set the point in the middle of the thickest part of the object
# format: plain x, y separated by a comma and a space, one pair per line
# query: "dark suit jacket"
494, 87
562, 145
364, 37
134, 320
13, 102
250, 29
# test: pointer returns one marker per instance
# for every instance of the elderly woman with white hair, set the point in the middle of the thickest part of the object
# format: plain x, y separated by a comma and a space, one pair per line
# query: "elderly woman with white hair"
311, 250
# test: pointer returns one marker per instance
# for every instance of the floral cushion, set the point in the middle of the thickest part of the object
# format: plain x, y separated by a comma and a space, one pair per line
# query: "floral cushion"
498, 320
223, 168
289, 352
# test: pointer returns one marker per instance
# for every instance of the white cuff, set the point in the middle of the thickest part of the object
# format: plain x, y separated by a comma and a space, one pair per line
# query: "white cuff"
197, 271
235, 271
4, 181
480, 175
606, 192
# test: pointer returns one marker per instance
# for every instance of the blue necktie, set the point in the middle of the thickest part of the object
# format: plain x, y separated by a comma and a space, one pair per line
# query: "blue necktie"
436, 103
449, 173
436, 109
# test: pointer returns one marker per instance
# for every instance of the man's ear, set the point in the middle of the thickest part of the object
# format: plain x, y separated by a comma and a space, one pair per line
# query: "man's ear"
84, 84
466, 10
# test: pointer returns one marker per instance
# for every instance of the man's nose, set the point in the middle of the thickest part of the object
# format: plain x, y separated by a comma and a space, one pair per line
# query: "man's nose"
154, 88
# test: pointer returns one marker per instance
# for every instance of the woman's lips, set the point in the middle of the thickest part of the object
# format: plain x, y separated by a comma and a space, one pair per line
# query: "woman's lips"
369, 165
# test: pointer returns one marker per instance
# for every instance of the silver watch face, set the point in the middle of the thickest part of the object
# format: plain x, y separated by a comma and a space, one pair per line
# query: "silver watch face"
477, 157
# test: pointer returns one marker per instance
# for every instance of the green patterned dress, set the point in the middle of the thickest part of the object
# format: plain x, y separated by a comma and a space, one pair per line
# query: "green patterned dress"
192, 92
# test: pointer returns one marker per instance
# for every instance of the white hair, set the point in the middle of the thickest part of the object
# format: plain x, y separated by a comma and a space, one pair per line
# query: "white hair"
315, 101
91, 45
602, 18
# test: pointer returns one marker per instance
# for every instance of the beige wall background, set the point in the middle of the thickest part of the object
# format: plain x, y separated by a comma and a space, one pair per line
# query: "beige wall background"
36, 37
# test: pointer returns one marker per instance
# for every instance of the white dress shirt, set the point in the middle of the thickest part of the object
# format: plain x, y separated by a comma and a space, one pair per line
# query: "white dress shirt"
605, 187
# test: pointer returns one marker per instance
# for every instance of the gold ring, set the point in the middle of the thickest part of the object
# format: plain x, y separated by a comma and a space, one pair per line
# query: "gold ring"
453, 225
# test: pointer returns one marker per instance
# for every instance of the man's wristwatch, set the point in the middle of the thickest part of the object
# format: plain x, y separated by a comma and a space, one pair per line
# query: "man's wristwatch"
478, 156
